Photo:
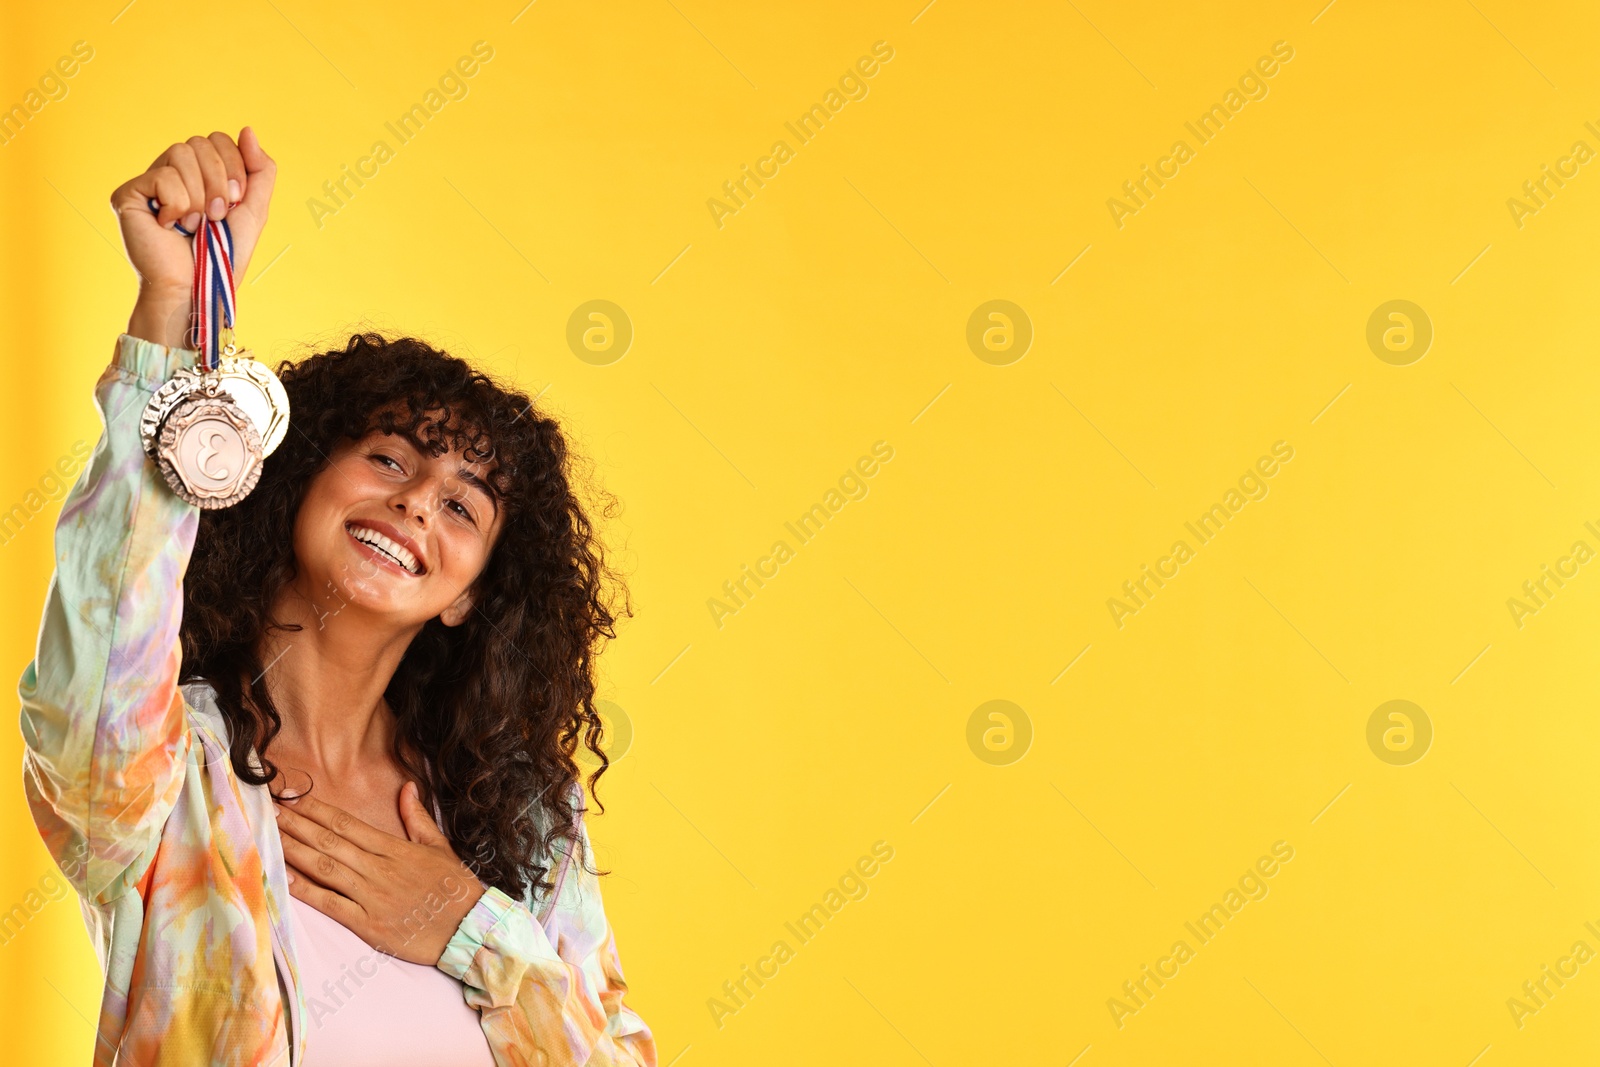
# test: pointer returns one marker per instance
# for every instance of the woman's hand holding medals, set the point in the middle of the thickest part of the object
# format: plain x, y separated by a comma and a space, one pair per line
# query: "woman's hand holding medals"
201, 178
190, 224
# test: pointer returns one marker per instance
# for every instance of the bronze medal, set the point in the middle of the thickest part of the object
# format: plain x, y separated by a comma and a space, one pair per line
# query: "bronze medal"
208, 448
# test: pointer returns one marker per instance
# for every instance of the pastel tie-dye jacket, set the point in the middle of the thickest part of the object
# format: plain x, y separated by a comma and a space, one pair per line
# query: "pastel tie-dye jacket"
179, 864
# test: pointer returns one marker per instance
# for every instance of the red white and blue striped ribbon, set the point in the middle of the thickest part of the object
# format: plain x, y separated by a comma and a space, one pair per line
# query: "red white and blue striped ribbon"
213, 287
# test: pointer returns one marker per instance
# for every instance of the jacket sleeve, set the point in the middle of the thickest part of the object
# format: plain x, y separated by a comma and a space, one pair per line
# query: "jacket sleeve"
549, 994
104, 727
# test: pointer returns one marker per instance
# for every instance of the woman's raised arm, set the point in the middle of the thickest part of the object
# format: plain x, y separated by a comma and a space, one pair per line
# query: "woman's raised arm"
103, 720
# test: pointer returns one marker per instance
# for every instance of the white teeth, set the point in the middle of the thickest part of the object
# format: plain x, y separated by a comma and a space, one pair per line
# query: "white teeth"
399, 552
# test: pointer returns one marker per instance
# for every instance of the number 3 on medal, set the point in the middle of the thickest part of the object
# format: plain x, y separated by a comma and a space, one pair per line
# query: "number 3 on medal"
209, 450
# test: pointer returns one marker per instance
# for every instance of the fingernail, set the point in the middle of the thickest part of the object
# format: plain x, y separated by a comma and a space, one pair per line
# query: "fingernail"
191, 220
233, 190
277, 812
291, 876
217, 208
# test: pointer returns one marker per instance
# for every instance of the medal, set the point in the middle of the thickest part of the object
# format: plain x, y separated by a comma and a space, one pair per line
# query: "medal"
257, 390
210, 429
208, 449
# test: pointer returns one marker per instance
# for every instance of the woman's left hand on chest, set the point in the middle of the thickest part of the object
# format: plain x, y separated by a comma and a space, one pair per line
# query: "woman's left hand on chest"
402, 895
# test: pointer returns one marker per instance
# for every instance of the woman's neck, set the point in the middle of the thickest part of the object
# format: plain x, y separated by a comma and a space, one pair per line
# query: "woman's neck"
327, 682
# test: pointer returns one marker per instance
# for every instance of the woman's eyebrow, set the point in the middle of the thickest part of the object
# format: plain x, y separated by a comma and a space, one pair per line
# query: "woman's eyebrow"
481, 486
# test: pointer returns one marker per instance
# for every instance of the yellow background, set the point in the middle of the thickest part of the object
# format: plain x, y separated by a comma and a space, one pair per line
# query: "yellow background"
772, 752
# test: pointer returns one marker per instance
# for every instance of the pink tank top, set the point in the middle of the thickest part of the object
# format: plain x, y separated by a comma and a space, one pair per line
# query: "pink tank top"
364, 1008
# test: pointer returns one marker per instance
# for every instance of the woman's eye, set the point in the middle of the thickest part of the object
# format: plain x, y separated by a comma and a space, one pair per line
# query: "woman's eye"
462, 508
389, 459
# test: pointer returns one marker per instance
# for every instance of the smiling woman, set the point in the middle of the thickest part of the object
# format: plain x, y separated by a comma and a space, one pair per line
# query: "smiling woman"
395, 634
395, 449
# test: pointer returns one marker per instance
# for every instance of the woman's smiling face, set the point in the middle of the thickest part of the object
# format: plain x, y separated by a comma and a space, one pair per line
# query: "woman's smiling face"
387, 529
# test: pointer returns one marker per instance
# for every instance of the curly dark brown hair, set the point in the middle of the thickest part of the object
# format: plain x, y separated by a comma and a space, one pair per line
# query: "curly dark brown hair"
496, 704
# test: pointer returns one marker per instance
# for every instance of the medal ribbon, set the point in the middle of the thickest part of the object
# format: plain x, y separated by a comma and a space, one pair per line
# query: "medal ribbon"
213, 285
213, 290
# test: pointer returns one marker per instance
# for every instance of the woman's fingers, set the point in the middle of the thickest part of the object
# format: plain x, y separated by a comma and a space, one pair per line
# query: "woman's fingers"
317, 837
213, 175
307, 816
202, 178
164, 185
232, 164
319, 865
181, 158
168, 189
346, 911
262, 172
